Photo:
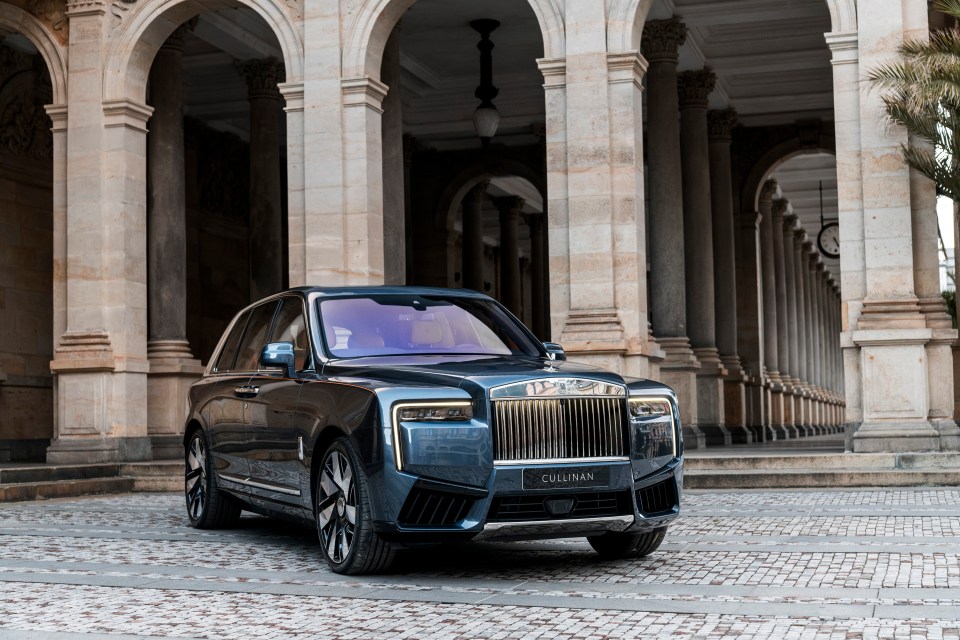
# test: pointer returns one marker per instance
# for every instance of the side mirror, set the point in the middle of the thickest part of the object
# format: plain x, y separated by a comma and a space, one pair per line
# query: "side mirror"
554, 351
279, 354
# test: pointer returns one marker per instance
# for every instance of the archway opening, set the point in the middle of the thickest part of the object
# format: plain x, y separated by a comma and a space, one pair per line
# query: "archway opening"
26, 251
432, 150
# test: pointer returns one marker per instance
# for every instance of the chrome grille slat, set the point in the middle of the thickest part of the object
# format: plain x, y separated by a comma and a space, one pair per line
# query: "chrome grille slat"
566, 428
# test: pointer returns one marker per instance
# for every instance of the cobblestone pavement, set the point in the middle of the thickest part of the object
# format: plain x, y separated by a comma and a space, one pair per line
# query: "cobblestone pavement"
786, 564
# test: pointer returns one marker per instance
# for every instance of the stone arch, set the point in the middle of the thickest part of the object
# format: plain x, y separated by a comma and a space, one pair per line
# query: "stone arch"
150, 23
367, 34
52, 53
470, 176
775, 156
843, 15
625, 24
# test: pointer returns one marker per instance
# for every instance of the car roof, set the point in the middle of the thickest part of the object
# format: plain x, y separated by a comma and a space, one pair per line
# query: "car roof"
386, 290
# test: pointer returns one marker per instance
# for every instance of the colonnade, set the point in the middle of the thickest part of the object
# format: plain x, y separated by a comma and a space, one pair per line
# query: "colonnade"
739, 379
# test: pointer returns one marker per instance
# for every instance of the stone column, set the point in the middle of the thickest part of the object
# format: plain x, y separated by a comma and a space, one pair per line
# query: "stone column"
100, 360
394, 251
296, 206
809, 354
779, 209
750, 319
719, 126
509, 208
774, 390
266, 249
661, 40
472, 265
816, 361
792, 401
172, 366
694, 88
537, 272
802, 388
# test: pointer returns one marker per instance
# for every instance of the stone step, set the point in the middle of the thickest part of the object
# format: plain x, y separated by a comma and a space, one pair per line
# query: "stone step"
157, 475
730, 461
56, 472
799, 478
16, 492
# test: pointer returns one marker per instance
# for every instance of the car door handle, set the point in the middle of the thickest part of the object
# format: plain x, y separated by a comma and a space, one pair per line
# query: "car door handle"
246, 391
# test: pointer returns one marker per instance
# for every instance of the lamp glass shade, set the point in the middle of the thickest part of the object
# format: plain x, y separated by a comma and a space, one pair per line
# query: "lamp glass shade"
486, 119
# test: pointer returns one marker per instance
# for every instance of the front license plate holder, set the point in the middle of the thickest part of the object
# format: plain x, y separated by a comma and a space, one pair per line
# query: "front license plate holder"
566, 478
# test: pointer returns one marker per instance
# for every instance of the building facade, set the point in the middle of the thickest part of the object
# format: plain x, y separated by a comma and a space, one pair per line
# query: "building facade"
702, 193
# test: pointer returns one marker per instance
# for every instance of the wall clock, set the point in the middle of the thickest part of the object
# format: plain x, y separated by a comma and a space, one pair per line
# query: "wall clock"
828, 240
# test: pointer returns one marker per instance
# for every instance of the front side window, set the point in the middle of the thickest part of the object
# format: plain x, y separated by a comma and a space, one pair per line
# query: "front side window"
291, 326
394, 324
228, 355
255, 337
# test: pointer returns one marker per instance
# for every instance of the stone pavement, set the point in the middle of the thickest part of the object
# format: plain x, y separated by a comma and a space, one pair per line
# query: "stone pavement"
764, 564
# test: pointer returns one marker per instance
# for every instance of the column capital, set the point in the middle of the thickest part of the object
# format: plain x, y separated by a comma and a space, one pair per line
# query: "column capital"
476, 193
77, 8
175, 41
790, 220
662, 39
694, 87
779, 208
534, 221
262, 76
720, 123
554, 72
508, 205
799, 237
769, 191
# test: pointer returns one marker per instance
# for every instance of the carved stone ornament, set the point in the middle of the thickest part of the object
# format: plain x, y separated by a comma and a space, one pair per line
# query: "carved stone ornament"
780, 208
262, 77
118, 9
720, 123
769, 190
24, 124
694, 87
54, 14
662, 39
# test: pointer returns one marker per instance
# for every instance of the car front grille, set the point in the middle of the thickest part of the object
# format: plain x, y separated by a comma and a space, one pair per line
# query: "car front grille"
567, 428
560, 506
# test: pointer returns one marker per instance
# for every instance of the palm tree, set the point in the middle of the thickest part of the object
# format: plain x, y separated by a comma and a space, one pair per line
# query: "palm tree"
921, 91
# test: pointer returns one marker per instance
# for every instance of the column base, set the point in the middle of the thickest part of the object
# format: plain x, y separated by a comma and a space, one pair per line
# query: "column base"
710, 407
172, 370
896, 437
679, 371
99, 450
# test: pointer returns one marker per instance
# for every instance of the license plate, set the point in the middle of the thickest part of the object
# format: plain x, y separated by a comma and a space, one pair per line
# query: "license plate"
566, 478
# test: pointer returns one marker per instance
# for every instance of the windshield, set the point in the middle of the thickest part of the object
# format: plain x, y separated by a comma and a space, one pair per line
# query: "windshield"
417, 324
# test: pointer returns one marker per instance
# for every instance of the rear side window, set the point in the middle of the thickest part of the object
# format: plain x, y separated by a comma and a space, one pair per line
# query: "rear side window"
228, 355
255, 337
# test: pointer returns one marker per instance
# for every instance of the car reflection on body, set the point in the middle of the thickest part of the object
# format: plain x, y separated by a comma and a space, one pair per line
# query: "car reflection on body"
400, 415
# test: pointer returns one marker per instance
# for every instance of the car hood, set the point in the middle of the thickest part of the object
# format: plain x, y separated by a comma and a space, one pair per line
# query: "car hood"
471, 373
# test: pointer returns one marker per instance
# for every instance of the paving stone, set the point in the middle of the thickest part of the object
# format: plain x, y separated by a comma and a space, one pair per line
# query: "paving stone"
788, 564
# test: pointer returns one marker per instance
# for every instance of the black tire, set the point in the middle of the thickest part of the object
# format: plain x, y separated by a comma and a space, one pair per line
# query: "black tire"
613, 545
344, 521
207, 506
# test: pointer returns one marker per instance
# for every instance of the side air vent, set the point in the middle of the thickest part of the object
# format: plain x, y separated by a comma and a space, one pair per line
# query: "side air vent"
658, 498
426, 508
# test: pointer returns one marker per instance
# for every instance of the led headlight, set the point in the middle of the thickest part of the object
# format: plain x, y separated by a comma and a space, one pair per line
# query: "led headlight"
452, 411
656, 416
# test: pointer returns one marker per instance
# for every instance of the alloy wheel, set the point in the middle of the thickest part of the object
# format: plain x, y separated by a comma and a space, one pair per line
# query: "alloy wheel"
337, 506
196, 477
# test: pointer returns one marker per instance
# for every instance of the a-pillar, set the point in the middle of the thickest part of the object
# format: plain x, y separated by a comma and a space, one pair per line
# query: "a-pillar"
266, 244
719, 126
779, 209
172, 365
793, 401
661, 40
100, 360
472, 244
509, 208
773, 388
694, 89
537, 272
